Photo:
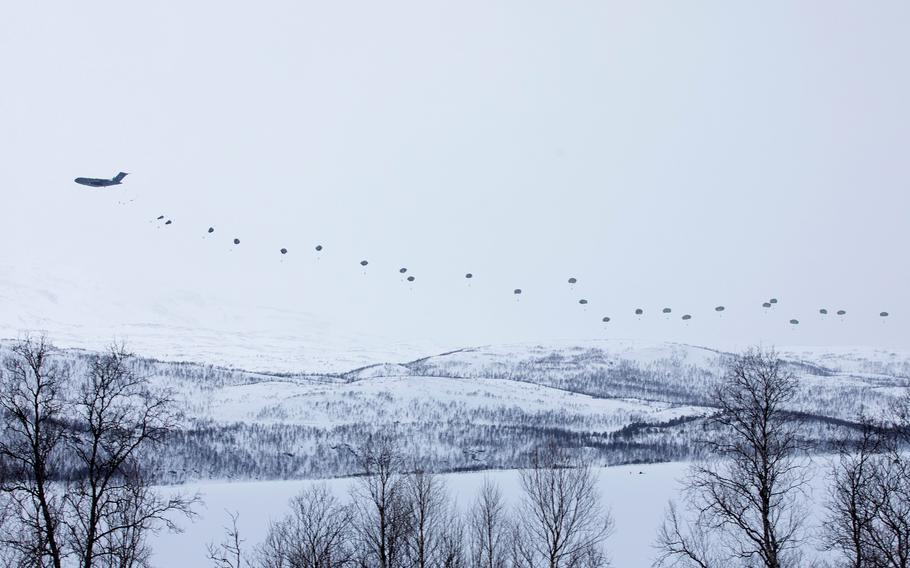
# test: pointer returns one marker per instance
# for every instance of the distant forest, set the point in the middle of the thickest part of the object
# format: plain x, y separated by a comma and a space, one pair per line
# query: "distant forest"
279, 442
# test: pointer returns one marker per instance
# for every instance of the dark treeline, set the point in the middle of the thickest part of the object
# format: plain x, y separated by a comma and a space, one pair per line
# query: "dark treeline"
287, 451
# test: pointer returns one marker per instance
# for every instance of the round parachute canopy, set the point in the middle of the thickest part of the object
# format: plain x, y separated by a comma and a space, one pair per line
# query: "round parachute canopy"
841, 312
411, 278
168, 222
823, 311
573, 280
469, 275
582, 302
883, 314
686, 317
402, 270
211, 230
236, 241
766, 305
606, 319
719, 309
773, 300
318, 248
364, 263
639, 311
794, 322
666, 310
284, 251
517, 291
160, 217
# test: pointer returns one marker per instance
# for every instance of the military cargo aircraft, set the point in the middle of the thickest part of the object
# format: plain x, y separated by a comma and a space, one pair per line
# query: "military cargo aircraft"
98, 182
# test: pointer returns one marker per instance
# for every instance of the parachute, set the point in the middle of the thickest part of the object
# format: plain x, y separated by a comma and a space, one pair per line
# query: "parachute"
404, 271
883, 314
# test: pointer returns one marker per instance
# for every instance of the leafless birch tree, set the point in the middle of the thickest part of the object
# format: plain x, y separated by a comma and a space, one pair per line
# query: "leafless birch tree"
746, 501
560, 522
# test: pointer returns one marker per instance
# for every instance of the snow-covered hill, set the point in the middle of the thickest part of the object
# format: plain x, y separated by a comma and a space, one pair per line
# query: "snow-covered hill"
489, 406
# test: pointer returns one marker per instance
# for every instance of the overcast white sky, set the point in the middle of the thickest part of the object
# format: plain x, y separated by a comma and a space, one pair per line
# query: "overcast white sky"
681, 154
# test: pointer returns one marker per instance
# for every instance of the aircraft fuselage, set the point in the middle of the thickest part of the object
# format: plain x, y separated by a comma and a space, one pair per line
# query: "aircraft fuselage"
96, 182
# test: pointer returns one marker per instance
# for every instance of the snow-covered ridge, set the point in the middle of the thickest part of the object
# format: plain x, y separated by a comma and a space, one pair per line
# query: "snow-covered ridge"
487, 406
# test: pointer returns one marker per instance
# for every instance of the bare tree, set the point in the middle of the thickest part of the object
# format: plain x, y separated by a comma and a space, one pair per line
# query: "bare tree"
273, 552
746, 502
686, 546
889, 534
32, 407
317, 533
16, 544
451, 544
427, 498
869, 506
380, 497
229, 552
489, 528
117, 415
852, 507
70, 459
560, 522
137, 511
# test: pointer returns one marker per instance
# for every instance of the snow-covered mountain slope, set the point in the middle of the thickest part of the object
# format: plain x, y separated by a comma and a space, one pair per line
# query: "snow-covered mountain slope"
415, 399
489, 406
162, 323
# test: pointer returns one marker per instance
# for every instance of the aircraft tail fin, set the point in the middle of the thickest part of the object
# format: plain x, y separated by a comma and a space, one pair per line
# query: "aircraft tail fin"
119, 177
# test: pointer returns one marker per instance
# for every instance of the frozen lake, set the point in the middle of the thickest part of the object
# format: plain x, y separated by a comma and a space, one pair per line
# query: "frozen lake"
636, 500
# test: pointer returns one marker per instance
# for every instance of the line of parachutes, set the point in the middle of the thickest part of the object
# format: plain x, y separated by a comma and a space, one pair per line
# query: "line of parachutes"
517, 292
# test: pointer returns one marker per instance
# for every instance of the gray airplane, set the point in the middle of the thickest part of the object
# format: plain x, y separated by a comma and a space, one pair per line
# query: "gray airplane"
96, 182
